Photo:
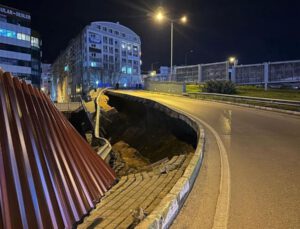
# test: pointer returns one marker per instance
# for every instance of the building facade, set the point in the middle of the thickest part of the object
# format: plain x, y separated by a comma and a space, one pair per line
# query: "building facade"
19, 45
103, 54
46, 79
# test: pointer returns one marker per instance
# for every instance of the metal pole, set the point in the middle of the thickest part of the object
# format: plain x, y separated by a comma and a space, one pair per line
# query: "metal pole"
171, 65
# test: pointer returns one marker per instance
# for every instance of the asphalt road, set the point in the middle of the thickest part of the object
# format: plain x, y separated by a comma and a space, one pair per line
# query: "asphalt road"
263, 150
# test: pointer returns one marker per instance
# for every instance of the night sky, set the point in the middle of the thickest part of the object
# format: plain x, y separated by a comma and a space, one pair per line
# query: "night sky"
254, 31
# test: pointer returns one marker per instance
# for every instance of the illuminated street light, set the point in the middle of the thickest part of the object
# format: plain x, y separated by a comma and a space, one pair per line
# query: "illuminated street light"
160, 16
232, 60
153, 73
183, 19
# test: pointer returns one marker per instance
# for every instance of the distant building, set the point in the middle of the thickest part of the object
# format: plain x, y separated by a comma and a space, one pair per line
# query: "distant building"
103, 54
162, 75
46, 79
19, 45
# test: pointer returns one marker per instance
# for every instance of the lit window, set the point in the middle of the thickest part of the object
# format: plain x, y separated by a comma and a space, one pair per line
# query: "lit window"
35, 42
123, 46
123, 69
129, 70
93, 64
66, 68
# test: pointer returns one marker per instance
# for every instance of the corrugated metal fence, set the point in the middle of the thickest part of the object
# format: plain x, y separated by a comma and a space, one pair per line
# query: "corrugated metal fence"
49, 176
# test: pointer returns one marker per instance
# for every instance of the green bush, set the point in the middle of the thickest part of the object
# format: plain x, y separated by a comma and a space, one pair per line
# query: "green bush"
219, 86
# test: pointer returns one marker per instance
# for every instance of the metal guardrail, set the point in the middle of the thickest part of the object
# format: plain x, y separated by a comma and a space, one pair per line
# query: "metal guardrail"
249, 98
104, 151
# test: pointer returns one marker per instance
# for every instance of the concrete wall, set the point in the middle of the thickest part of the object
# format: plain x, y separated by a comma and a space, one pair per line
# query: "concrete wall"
165, 87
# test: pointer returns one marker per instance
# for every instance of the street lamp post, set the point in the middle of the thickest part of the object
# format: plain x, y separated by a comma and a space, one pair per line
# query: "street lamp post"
160, 16
171, 62
186, 56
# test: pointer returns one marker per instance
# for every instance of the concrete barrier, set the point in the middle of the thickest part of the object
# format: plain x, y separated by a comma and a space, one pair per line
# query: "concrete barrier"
167, 87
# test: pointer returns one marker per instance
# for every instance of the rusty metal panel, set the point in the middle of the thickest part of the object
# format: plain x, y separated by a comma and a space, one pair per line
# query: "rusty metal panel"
49, 176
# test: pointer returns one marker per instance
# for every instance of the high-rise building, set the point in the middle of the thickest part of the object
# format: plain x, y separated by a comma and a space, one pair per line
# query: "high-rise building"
46, 79
104, 53
19, 45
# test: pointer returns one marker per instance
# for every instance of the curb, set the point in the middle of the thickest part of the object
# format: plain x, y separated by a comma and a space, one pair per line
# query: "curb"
165, 213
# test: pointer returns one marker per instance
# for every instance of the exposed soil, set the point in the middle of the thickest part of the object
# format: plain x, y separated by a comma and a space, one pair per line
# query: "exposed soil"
141, 134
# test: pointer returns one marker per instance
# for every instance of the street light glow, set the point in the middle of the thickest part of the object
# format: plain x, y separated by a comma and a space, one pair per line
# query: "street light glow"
183, 19
232, 60
159, 16
153, 73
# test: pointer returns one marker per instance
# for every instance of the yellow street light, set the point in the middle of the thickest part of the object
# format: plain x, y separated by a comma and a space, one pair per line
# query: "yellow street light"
153, 73
232, 60
159, 16
183, 19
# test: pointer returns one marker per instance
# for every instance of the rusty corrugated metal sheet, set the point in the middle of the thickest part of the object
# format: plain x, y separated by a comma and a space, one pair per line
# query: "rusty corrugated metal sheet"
50, 177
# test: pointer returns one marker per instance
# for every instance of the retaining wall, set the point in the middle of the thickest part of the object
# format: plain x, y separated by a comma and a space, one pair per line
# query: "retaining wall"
164, 214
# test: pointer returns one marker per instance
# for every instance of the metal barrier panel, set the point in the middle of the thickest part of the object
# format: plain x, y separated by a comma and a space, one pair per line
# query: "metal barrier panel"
249, 74
288, 71
49, 176
187, 73
214, 71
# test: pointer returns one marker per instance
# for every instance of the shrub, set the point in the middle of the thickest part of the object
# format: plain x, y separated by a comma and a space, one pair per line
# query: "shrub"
219, 86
